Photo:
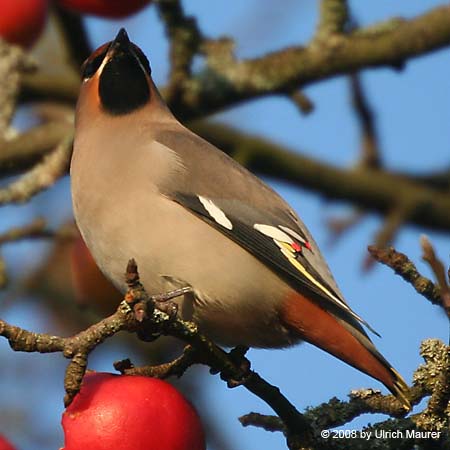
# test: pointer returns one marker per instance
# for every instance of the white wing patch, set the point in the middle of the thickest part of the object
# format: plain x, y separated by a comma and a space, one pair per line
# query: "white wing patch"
273, 232
215, 212
293, 234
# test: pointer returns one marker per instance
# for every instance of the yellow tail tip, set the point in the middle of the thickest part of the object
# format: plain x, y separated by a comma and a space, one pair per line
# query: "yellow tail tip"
400, 390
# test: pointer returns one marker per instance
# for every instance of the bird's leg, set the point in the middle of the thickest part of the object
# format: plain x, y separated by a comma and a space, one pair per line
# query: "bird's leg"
163, 303
144, 305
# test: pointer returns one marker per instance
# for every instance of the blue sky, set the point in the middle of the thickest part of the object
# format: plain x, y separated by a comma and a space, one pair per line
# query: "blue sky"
413, 113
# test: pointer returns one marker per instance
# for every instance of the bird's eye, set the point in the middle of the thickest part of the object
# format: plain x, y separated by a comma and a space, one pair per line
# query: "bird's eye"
92, 64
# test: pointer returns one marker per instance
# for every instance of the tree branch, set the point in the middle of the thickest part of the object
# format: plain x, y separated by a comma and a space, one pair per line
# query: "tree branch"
185, 39
428, 379
228, 82
402, 266
302, 102
41, 86
370, 189
13, 64
392, 223
438, 269
369, 158
137, 313
333, 18
37, 229
374, 190
3, 274
435, 377
41, 176
26, 149
370, 151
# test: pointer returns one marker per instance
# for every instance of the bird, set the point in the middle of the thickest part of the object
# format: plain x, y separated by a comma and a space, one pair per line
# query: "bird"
146, 187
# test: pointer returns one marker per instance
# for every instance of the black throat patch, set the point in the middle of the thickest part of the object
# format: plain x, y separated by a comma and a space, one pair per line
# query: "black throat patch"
123, 85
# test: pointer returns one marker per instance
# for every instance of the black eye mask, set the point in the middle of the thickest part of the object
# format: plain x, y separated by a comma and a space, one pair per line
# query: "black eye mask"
91, 65
123, 84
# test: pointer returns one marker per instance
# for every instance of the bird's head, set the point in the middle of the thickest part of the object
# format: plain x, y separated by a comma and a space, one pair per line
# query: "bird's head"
117, 77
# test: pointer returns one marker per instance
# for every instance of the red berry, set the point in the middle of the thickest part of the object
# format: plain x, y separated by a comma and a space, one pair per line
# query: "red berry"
22, 21
4, 444
130, 413
105, 8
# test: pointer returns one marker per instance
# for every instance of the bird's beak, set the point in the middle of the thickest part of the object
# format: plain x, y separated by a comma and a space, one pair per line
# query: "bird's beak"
121, 43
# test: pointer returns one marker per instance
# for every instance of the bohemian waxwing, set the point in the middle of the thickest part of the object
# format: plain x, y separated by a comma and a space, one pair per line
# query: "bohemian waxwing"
145, 187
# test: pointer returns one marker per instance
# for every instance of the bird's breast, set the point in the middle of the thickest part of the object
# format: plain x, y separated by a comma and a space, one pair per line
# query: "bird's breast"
121, 215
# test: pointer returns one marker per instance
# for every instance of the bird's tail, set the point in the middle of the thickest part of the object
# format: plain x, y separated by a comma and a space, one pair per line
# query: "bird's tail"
342, 339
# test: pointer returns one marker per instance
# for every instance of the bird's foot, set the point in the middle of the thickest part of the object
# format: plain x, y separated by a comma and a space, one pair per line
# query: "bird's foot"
163, 301
168, 307
144, 309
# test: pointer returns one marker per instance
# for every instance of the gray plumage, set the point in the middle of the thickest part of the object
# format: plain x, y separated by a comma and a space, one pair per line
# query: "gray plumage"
145, 187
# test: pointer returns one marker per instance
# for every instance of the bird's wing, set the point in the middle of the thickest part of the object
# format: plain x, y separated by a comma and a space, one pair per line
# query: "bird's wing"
228, 197
279, 245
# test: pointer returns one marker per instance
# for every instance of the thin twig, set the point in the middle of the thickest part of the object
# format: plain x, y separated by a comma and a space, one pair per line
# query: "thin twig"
336, 413
220, 361
333, 17
392, 223
37, 229
438, 269
268, 423
14, 62
434, 376
370, 189
177, 367
185, 39
402, 266
228, 81
338, 226
41, 176
138, 314
302, 101
24, 150
370, 157
3, 274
